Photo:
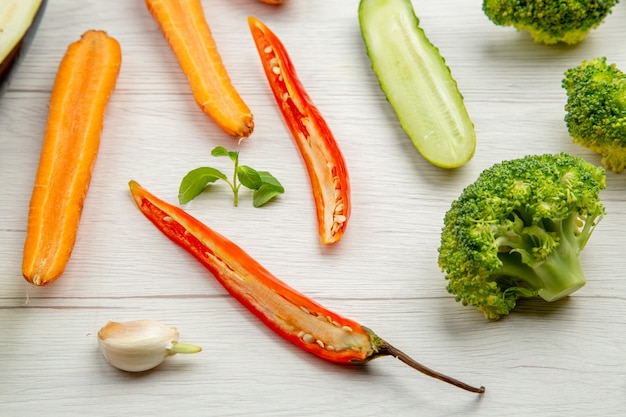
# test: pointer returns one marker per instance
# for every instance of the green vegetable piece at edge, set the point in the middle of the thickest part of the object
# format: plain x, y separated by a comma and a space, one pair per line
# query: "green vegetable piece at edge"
417, 82
550, 22
596, 110
19, 22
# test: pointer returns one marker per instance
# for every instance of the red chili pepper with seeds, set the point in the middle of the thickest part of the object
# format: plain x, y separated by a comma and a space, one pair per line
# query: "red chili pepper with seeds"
323, 159
286, 311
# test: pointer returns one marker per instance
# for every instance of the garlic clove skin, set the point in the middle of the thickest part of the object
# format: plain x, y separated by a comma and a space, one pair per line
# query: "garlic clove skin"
140, 345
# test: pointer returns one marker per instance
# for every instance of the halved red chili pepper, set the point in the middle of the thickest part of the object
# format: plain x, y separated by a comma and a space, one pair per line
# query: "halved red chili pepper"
289, 313
324, 161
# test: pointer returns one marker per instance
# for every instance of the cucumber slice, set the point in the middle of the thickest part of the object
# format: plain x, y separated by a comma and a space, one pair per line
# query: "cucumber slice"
417, 82
19, 20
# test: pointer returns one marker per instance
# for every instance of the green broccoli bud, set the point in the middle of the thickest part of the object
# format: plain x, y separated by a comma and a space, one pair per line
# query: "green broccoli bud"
518, 231
596, 110
550, 21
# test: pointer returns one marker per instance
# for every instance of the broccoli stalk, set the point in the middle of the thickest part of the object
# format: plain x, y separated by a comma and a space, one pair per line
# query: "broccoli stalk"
596, 110
518, 231
550, 21
547, 264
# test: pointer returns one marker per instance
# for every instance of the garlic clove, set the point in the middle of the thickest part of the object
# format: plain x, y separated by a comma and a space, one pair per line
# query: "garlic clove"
140, 345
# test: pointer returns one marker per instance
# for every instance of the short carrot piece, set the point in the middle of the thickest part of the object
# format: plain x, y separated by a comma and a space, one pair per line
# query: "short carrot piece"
185, 28
84, 82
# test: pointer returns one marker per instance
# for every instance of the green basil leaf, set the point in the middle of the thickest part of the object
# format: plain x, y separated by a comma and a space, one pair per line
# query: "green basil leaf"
265, 193
196, 181
268, 178
222, 151
249, 177
219, 151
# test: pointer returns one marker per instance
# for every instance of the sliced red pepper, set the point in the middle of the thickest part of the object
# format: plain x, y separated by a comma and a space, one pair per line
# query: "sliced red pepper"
289, 313
324, 161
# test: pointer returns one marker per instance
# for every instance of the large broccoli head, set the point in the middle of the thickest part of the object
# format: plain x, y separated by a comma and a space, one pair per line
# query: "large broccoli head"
518, 230
596, 110
550, 21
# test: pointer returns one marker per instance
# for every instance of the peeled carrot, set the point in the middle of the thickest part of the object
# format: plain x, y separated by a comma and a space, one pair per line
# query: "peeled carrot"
275, 2
186, 30
84, 82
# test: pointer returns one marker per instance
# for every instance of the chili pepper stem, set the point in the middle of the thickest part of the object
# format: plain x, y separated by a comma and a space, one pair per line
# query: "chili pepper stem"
385, 349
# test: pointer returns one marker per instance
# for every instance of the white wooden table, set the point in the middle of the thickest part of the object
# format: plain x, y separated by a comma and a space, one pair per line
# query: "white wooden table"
561, 359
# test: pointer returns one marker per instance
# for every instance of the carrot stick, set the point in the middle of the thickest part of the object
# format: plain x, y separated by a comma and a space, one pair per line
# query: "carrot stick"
186, 30
84, 82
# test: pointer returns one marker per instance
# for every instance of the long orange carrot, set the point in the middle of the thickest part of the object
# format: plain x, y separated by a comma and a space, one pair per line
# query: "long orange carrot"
186, 30
85, 79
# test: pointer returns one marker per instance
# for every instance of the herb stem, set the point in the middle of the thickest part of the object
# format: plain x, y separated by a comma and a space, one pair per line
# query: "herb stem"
235, 185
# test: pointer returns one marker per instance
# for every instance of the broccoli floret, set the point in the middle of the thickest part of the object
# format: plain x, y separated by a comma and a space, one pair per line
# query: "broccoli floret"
518, 230
550, 21
596, 110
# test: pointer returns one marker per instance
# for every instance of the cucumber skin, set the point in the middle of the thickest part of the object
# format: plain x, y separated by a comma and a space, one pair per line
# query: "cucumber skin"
9, 66
403, 91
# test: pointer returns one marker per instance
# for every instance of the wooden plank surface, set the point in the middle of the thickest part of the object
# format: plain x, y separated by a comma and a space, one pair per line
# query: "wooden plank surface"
560, 359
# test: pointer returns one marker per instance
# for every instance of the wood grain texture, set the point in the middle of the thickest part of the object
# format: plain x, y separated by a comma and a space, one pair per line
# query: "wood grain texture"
565, 358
